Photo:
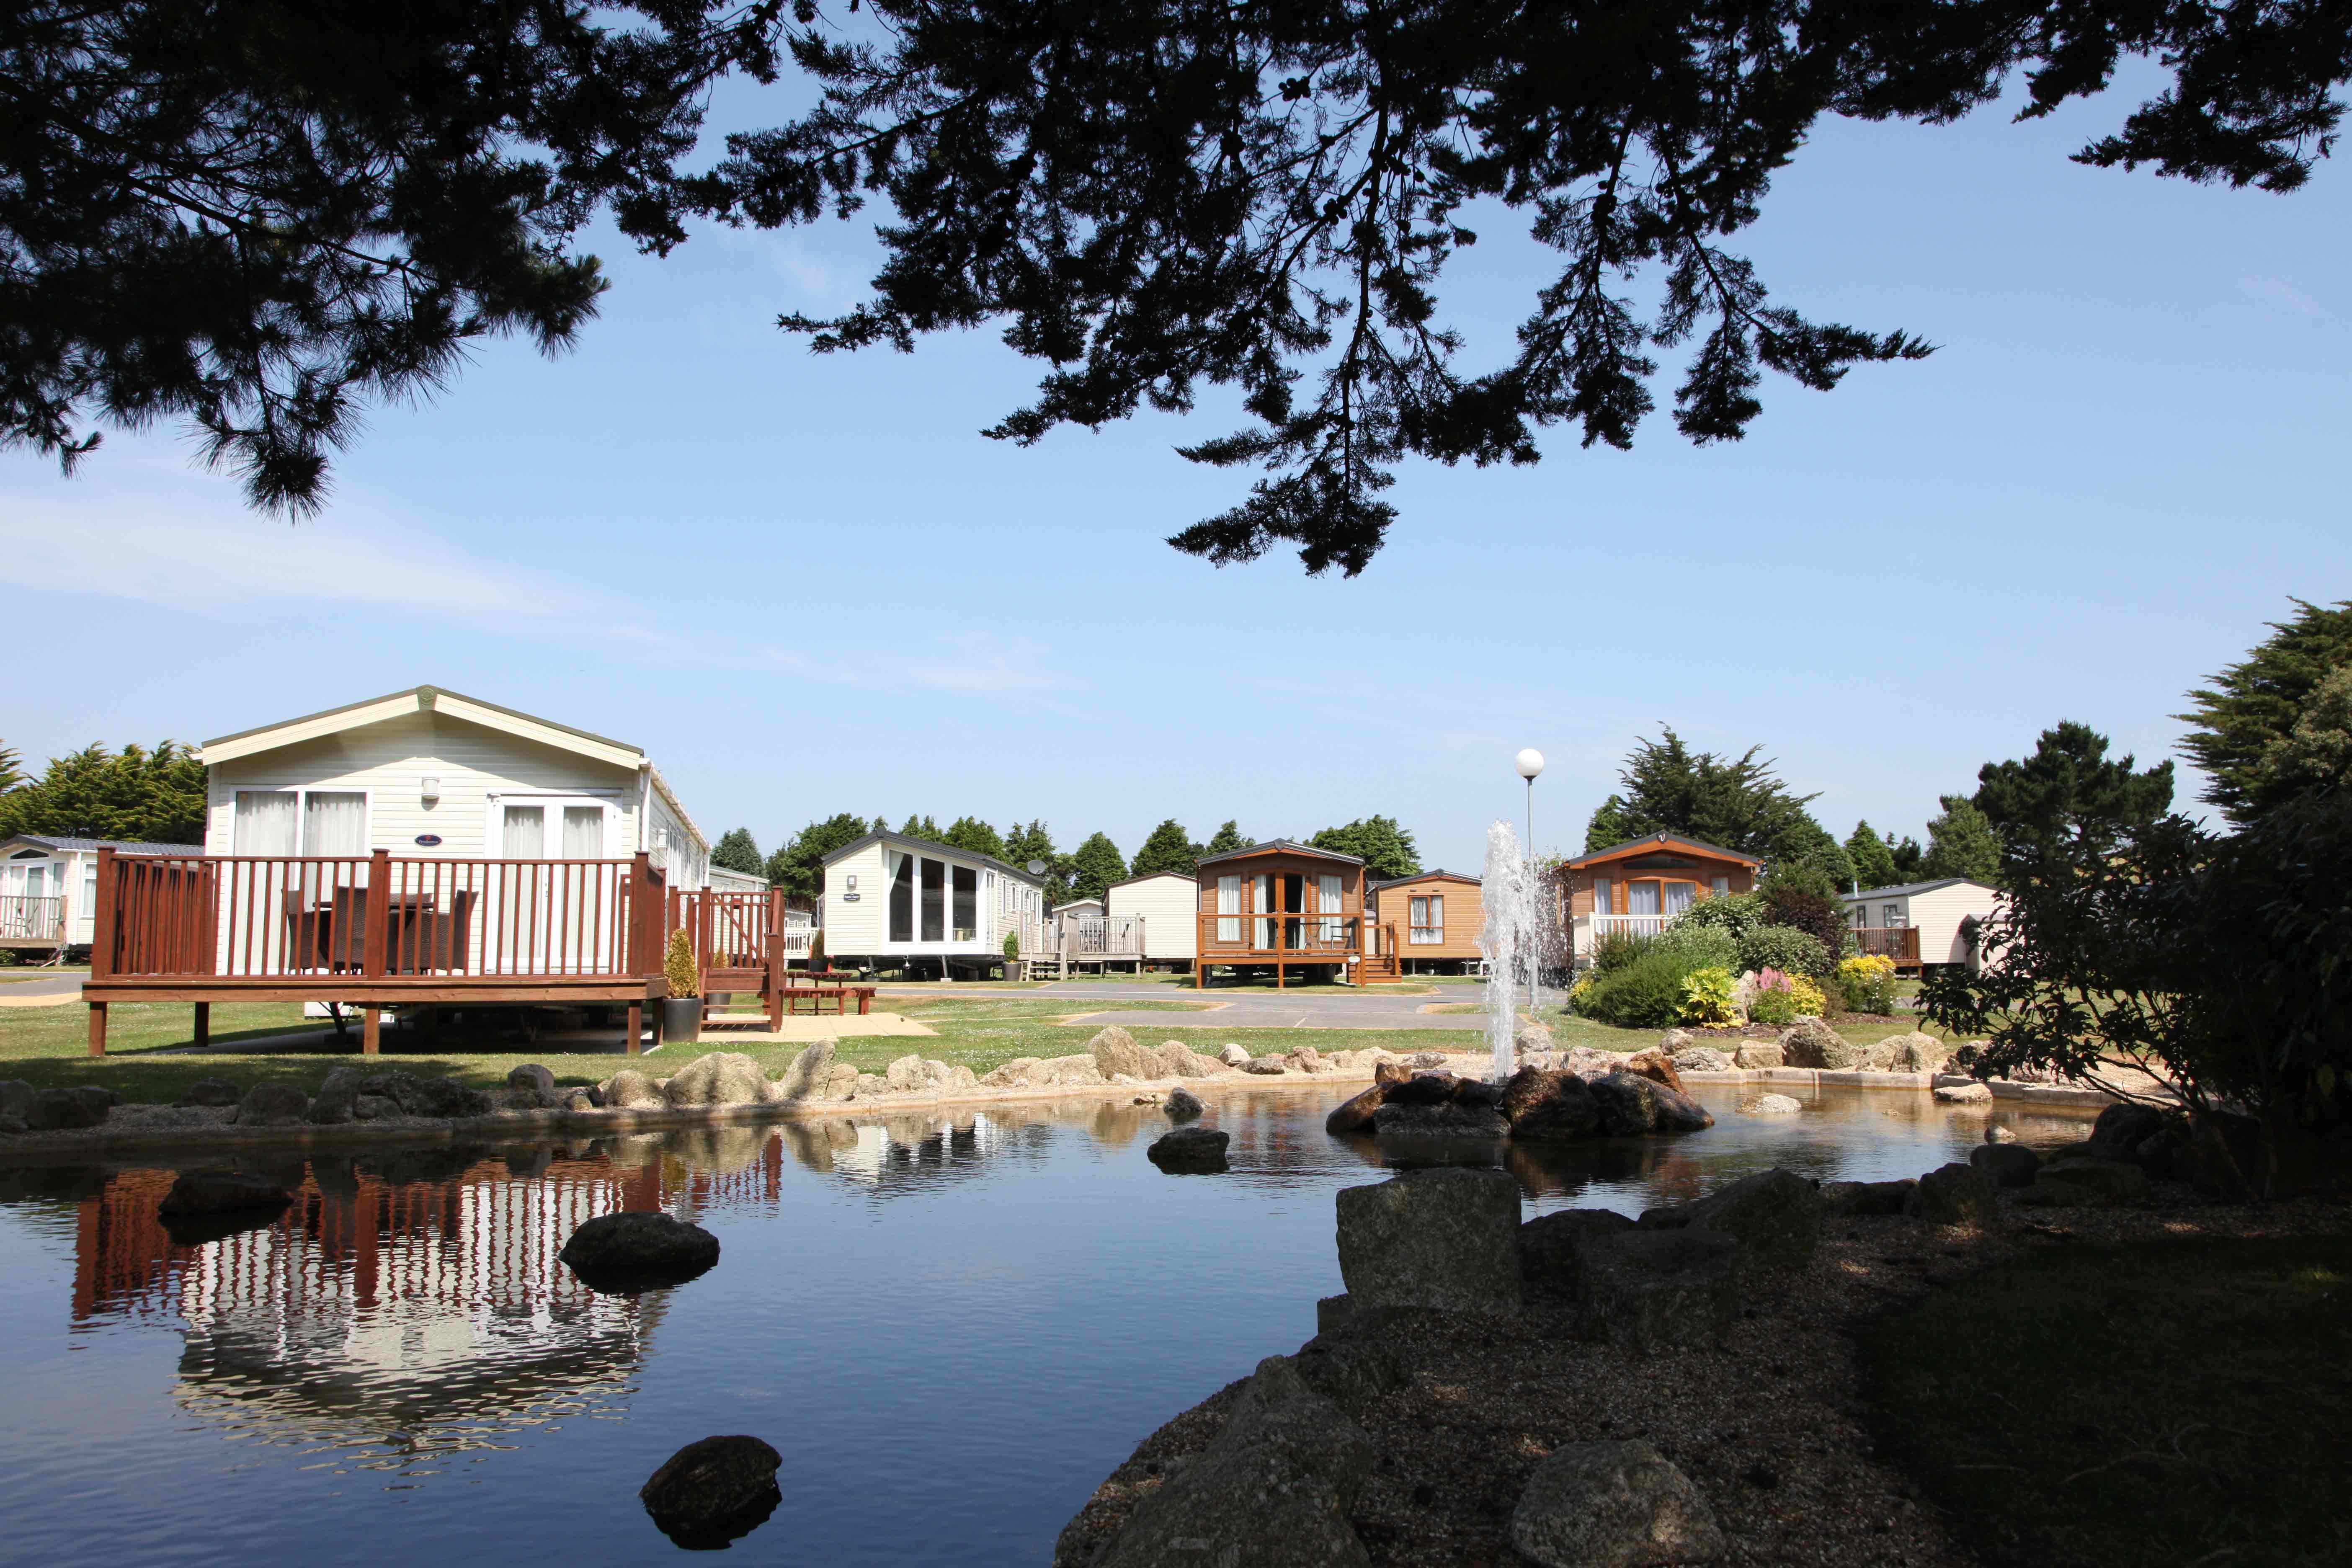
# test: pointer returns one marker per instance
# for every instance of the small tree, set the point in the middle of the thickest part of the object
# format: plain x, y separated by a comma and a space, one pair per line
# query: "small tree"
135, 794
922, 827
677, 966
1169, 848
1386, 849
738, 851
1095, 866
969, 833
1961, 843
798, 868
1872, 857
2253, 707
1907, 855
1226, 839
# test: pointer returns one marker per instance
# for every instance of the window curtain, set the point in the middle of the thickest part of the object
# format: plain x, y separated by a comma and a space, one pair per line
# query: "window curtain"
334, 822
583, 833
1602, 903
1229, 909
1680, 895
1641, 898
265, 821
1262, 930
1328, 903
525, 833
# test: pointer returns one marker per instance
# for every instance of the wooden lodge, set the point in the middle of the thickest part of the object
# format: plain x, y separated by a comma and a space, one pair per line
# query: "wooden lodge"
1641, 885
1281, 907
1438, 914
426, 850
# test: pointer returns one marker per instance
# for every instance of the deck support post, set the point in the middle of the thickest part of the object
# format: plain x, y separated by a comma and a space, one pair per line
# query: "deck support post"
202, 1034
97, 1028
371, 1029
636, 1024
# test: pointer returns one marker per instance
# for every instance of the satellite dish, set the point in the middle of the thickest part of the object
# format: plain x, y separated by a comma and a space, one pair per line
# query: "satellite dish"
1036, 867
1530, 764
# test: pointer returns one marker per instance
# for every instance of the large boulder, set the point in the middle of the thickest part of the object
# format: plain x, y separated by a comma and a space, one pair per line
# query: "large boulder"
1233, 1056
1969, 1096
67, 1109
1272, 1491
1354, 1116
2123, 1127
338, 1097
1445, 1239
1613, 1505
197, 1193
1848, 1200
1115, 1052
208, 1091
810, 1073
1918, 1052
1189, 1151
620, 1254
272, 1105
914, 1075
2113, 1181
1701, 1058
630, 1090
1308, 1059
1758, 1056
440, 1097
1631, 1105
2006, 1164
1657, 1066
1351, 1371
1174, 1058
1953, 1194
1556, 1107
1773, 1105
1551, 1247
1587, 1063
1030, 1072
1439, 1119
720, 1078
1775, 1215
1810, 1043
706, 1490
1652, 1290
1265, 1067
17, 1097
531, 1075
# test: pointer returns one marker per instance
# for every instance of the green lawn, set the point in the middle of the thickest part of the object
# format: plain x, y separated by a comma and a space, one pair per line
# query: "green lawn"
2161, 1402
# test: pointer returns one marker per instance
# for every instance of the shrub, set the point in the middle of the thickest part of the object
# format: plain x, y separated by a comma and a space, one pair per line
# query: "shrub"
1646, 994
1786, 949
1810, 1001
1577, 992
1616, 949
1701, 946
1706, 998
1778, 998
1735, 914
677, 966
1824, 920
1012, 945
1868, 982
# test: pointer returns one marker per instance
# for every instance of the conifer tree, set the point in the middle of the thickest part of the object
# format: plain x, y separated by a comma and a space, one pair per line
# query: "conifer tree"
1226, 839
1169, 848
2244, 720
1872, 857
970, 833
1095, 866
1386, 849
1961, 843
798, 866
154, 797
738, 851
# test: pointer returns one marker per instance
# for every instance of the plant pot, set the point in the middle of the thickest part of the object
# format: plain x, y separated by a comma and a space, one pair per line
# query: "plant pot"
681, 1017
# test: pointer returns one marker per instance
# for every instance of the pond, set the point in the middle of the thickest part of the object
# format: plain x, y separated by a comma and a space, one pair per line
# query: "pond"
951, 1325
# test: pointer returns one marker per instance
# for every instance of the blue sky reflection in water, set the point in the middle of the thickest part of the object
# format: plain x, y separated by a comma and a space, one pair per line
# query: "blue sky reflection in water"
953, 1326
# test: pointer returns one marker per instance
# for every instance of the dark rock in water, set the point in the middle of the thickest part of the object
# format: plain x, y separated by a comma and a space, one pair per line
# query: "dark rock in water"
1351, 1371
427, 1095
1678, 1112
1551, 1247
1849, 1200
2006, 1164
1614, 1503
1654, 1290
1657, 1066
1554, 1106
1479, 1093
215, 1192
1446, 1239
1666, 1217
1333, 1313
622, 1254
1423, 1089
530, 1074
1632, 1106
272, 1105
1952, 1195
211, 1091
1354, 1116
713, 1491
1183, 1104
1446, 1119
1190, 1151
64, 1109
1775, 1215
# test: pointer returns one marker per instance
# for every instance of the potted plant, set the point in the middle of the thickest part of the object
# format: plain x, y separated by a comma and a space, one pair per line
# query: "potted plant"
681, 1010
1012, 955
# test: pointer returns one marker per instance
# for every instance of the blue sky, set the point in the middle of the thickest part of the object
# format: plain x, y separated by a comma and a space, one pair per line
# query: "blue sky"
809, 585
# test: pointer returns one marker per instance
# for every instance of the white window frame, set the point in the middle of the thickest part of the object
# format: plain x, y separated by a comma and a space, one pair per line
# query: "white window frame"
1428, 932
494, 828
302, 794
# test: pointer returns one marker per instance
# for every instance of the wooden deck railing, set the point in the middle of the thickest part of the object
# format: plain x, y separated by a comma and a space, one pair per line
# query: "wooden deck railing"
28, 917
1281, 936
1900, 943
1103, 936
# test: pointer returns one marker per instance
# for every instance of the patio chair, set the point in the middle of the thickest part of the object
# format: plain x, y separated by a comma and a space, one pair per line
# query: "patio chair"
441, 939
305, 931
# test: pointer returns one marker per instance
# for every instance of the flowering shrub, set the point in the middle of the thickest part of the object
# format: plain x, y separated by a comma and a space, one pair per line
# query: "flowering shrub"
1706, 998
1807, 997
1868, 982
1579, 993
1774, 997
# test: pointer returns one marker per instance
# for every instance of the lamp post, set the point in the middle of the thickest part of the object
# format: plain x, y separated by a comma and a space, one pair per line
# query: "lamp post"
1530, 762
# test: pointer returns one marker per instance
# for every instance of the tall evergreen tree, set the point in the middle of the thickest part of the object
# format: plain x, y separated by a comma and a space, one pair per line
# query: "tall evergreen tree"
1737, 802
970, 833
2243, 720
1095, 866
922, 828
2315, 757
1906, 855
1226, 838
798, 867
12, 769
1872, 857
1611, 825
1386, 849
2068, 789
738, 851
156, 796
1169, 848
1961, 843
881, 824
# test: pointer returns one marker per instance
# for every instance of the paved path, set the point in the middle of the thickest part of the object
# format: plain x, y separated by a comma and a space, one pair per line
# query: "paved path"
49, 991
1268, 1009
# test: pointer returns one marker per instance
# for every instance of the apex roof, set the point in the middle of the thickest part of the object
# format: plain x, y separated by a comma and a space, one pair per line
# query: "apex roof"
1280, 846
1653, 840
945, 851
1435, 873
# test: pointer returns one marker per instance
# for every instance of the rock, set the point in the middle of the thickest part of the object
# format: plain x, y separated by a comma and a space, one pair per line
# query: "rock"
1918, 1052
207, 1091
1177, 1059
1272, 1491
1308, 1059
375, 1108
2114, 1181
1757, 1057
1976, 1094
443, 1096
1587, 1063
1028, 1072
12, 1125
1532, 1037
17, 1097
810, 1074
712, 1482
1666, 1217
272, 1105
1657, 1066
2006, 1164
1701, 1058
914, 1075
1775, 1215
1631, 1105
1427, 1060
1547, 1106
1551, 1247
576, 1098
1675, 1040
620, 1254
530, 1074
215, 1192
1997, 1133
2123, 1127
630, 1090
1810, 1043
1445, 1239
1599, 1505
67, 1110
720, 1078
1351, 1371
1952, 1195
1183, 1105
1651, 1290
1264, 1066
1333, 1313
1189, 1151
1773, 1105
872, 1086
838, 1083
1443, 1119
1115, 1052
1848, 1200
1477, 1091
1233, 1056
336, 1098
2058, 1195
1354, 1116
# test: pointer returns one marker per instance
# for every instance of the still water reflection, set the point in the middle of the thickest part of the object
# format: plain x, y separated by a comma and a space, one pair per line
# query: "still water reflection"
951, 1325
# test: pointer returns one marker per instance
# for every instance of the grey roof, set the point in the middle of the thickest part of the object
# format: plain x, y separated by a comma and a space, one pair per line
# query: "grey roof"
1426, 876
925, 844
1290, 844
127, 846
1590, 855
1906, 889
1123, 881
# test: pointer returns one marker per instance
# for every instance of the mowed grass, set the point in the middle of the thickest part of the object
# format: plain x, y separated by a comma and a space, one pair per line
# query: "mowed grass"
2155, 1403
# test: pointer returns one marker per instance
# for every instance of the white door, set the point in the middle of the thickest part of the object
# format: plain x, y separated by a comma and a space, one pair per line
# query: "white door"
550, 918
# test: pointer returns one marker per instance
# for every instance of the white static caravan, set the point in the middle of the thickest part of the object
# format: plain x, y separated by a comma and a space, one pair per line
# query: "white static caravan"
48, 889
1169, 903
1920, 923
889, 899
430, 773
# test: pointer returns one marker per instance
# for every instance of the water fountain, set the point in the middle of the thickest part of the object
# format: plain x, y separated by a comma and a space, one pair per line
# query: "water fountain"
1511, 941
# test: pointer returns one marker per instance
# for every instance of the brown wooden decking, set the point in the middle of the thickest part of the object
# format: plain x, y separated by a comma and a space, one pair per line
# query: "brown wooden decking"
1900, 943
